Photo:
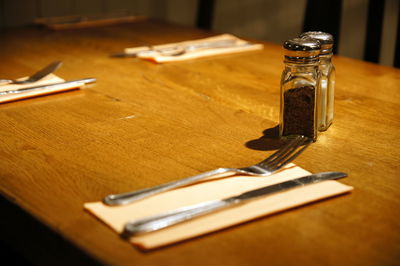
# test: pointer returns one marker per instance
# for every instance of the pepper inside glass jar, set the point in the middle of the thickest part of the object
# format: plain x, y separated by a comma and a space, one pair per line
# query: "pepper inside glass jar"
299, 111
299, 83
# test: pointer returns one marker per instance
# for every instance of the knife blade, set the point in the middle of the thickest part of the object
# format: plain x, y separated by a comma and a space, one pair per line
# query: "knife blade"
47, 70
35, 77
157, 222
72, 83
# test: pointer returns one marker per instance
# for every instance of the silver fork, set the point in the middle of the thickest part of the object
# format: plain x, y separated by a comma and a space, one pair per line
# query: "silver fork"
35, 77
273, 163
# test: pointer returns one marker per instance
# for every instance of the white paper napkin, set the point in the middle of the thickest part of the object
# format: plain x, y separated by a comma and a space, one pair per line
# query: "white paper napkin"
49, 79
117, 216
236, 46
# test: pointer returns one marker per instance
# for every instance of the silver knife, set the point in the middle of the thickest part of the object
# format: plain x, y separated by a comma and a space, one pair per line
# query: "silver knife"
77, 83
157, 222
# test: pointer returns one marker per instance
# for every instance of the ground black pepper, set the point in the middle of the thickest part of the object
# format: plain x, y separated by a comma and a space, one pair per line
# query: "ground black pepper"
298, 113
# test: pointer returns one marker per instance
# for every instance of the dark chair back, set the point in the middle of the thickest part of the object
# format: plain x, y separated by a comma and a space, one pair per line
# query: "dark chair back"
330, 22
324, 16
205, 14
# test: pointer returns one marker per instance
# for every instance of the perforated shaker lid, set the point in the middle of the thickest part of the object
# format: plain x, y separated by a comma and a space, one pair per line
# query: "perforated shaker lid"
324, 38
302, 48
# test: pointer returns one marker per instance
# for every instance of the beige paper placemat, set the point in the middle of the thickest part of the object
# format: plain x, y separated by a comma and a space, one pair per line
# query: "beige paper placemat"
49, 79
240, 46
116, 216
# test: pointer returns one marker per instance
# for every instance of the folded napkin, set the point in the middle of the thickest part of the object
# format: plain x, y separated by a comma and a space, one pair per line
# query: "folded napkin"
235, 45
49, 79
218, 188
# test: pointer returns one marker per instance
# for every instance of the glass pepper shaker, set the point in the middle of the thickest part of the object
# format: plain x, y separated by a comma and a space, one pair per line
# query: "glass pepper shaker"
326, 90
299, 85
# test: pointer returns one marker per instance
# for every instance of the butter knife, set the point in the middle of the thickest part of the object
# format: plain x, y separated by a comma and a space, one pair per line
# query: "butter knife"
72, 83
157, 222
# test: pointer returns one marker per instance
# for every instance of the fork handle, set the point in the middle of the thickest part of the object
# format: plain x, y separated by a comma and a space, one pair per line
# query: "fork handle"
128, 197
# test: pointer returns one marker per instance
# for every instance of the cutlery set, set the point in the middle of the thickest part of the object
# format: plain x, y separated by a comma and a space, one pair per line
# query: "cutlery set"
181, 49
59, 85
40, 75
286, 154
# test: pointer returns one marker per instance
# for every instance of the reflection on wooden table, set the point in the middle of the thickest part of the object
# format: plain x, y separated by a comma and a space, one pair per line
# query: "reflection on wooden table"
144, 124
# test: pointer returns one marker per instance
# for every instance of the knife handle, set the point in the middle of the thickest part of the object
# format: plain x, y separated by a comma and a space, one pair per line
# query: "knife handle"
157, 222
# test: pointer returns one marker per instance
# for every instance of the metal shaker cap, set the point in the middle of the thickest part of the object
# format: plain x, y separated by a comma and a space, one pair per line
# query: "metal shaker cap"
324, 38
302, 48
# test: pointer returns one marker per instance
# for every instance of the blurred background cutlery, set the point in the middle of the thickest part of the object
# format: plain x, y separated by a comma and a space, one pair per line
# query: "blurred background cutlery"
35, 77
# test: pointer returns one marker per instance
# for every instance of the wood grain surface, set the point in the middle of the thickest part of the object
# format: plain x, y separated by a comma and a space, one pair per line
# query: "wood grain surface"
144, 124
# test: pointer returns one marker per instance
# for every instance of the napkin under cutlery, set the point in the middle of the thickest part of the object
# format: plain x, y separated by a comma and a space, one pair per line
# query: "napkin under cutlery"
117, 216
234, 45
49, 79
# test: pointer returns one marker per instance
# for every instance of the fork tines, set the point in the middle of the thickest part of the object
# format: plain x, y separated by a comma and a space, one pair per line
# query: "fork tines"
287, 153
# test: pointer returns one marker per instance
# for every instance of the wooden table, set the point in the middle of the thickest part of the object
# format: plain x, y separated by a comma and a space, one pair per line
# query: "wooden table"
144, 124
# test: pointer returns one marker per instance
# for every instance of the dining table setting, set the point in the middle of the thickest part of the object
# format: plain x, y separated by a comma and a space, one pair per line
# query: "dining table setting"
144, 142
